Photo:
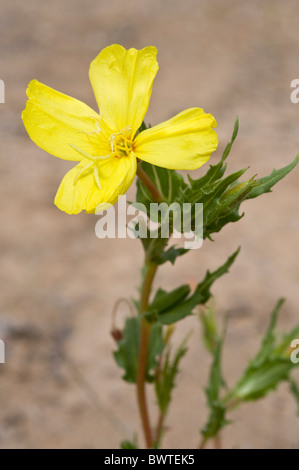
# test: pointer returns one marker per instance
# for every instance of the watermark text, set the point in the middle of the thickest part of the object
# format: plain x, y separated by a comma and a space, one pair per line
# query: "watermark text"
2, 91
295, 353
159, 220
2, 352
295, 93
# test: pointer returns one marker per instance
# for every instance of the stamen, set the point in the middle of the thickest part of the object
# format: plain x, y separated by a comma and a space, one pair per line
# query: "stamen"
97, 177
96, 131
93, 160
120, 142
79, 174
111, 141
89, 157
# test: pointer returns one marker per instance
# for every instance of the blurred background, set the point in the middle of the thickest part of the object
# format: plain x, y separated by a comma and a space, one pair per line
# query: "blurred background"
59, 282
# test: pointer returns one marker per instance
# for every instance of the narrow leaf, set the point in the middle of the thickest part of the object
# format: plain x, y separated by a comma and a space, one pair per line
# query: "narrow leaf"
200, 296
265, 184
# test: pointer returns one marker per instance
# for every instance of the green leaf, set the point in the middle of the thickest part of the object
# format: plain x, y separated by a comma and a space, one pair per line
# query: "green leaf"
230, 144
269, 338
209, 326
164, 300
222, 201
270, 367
165, 382
128, 349
265, 184
227, 208
222, 196
157, 253
171, 254
217, 419
128, 445
200, 296
216, 381
259, 381
283, 347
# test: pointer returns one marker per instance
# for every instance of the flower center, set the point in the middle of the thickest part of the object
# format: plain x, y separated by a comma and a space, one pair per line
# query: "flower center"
121, 142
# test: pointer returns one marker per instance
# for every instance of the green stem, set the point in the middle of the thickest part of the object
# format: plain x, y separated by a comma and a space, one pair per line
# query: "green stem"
160, 428
143, 354
202, 443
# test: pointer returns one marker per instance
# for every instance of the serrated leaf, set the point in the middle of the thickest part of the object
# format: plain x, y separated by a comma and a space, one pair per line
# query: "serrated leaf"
165, 300
269, 338
230, 144
222, 196
265, 184
209, 327
270, 367
258, 381
200, 296
127, 353
172, 253
217, 419
220, 201
216, 381
227, 208
157, 253
165, 382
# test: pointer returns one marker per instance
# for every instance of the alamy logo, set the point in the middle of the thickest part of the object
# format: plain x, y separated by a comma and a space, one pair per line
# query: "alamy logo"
2, 92
2, 352
160, 220
295, 353
295, 93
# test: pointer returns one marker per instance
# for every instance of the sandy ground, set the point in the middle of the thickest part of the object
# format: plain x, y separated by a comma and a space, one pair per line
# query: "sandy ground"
59, 282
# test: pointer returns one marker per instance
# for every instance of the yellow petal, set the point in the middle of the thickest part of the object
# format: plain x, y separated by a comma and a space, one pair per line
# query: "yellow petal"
184, 142
55, 121
115, 175
122, 82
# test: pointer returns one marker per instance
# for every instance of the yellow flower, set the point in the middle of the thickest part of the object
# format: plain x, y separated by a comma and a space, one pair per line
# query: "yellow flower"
108, 144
